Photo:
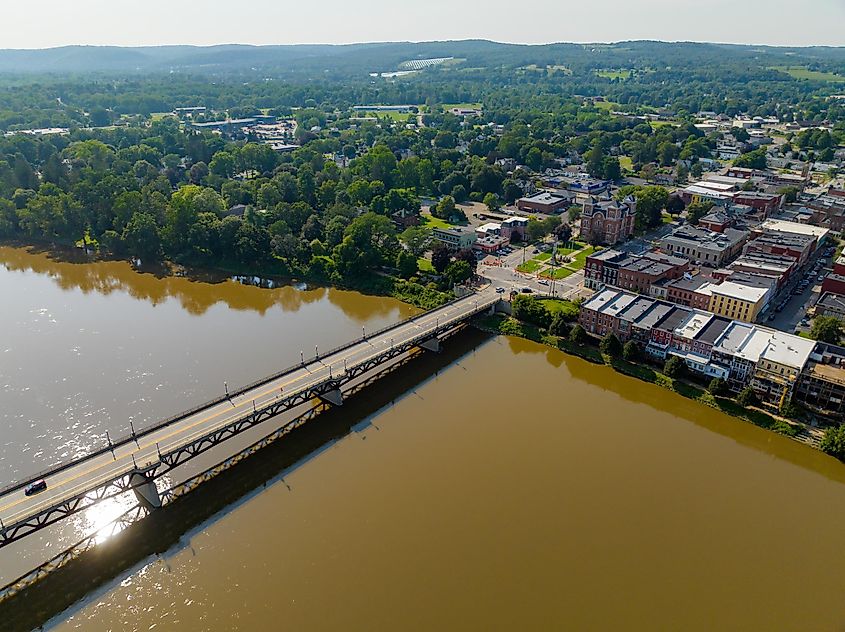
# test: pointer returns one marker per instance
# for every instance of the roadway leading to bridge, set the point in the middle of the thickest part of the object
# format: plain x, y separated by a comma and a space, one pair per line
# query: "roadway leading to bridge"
104, 468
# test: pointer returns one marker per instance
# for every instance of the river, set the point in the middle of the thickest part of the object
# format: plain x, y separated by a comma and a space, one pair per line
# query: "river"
518, 488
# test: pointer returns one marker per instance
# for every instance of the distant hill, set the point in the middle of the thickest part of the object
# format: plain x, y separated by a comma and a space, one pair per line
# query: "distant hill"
329, 60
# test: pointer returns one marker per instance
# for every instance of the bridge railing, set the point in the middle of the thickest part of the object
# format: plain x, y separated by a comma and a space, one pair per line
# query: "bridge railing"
163, 423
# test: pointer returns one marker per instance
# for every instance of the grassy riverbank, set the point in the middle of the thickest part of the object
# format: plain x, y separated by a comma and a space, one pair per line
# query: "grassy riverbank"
590, 351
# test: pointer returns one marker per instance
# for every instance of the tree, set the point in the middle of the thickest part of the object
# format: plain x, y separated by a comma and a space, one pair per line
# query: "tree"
674, 367
610, 346
675, 205
631, 351
529, 310
457, 272
141, 237
559, 325
747, 397
752, 160
416, 239
697, 210
827, 329
440, 258
491, 201
718, 387
650, 204
833, 442
578, 335
445, 208
406, 263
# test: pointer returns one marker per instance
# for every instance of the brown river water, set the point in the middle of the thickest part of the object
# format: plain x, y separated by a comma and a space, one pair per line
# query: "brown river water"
517, 489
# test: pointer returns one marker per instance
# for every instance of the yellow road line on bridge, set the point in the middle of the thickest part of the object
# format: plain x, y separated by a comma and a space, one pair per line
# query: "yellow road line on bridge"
183, 429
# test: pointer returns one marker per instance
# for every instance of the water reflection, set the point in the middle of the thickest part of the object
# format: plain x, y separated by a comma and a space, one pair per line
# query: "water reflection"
73, 271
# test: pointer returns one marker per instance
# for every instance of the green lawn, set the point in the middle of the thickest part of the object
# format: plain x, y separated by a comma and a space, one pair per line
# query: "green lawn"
543, 256
424, 265
659, 124
435, 222
614, 74
557, 273
529, 267
560, 305
802, 72
580, 259
626, 163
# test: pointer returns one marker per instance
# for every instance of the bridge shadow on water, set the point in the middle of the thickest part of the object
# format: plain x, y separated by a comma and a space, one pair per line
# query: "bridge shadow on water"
93, 572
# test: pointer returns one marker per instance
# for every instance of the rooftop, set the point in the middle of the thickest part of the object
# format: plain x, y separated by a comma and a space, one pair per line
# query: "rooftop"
654, 315
787, 350
794, 227
731, 289
713, 329
703, 237
545, 197
674, 318
694, 325
834, 302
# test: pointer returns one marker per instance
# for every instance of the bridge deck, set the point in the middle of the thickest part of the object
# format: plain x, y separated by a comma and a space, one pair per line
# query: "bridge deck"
99, 469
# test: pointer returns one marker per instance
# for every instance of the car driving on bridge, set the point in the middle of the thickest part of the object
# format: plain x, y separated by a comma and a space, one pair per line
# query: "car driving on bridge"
36, 487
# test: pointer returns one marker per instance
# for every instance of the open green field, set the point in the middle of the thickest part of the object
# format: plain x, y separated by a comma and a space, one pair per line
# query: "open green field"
626, 163
463, 106
424, 265
614, 74
801, 72
607, 105
659, 124
399, 117
543, 256
157, 116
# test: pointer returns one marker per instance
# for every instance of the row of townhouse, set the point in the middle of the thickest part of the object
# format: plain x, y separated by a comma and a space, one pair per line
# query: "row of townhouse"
777, 365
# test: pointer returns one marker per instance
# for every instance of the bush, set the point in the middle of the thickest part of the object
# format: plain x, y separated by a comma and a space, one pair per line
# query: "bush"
577, 336
631, 351
559, 325
791, 410
528, 309
718, 387
833, 442
747, 397
611, 346
674, 367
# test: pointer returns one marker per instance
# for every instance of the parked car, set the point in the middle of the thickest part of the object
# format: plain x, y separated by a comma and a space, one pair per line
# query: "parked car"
500, 290
543, 282
527, 290
36, 487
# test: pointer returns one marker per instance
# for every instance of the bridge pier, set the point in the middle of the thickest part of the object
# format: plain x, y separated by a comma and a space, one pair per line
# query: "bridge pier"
501, 307
432, 344
333, 397
145, 490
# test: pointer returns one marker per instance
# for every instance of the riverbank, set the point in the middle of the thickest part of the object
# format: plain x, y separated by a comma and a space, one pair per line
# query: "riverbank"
589, 350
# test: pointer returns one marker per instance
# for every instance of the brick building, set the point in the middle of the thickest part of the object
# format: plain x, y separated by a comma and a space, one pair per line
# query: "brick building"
608, 221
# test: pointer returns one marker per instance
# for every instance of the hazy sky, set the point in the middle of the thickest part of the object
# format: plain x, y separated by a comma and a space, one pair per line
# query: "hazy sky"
150, 22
